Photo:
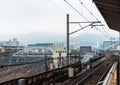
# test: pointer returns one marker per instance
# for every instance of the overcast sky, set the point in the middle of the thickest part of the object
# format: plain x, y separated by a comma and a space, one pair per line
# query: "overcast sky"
44, 16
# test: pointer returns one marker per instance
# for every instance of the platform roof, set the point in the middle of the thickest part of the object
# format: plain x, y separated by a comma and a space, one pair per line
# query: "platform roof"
110, 10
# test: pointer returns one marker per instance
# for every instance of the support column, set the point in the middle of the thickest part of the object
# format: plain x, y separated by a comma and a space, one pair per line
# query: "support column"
68, 39
117, 73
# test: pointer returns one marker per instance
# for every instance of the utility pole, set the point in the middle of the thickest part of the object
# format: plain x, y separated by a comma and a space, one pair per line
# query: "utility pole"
70, 69
68, 39
92, 24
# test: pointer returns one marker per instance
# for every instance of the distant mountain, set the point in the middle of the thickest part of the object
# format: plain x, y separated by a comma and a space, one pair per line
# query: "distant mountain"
88, 39
37, 37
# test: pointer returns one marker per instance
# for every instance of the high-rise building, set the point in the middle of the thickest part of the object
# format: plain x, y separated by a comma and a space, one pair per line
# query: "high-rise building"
13, 42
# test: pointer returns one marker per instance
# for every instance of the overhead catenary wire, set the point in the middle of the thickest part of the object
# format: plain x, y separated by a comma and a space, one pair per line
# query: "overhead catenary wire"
94, 17
80, 25
81, 15
76, 10
56, 6
106, 32
101, 32
80, 29
88, 10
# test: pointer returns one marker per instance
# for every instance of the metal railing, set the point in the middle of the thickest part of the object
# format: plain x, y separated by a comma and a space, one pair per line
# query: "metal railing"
111, 77
48, 69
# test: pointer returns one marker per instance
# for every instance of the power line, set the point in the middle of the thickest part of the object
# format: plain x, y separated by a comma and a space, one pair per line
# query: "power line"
85, 19
80, 29
106, 32
94, 17
56, 6
80, 25
76, 11
101, 32
88, 9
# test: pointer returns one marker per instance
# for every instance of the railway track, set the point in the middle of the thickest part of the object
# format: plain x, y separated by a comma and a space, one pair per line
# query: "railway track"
57, 76
92, 76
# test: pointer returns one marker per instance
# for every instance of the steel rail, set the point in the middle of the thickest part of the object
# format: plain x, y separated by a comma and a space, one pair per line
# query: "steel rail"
85, 78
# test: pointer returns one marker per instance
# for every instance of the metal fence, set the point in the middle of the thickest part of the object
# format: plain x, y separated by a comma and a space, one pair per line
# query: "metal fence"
49, 70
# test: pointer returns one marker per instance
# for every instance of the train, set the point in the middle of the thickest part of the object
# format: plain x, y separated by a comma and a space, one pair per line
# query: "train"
95, 62
90, 63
